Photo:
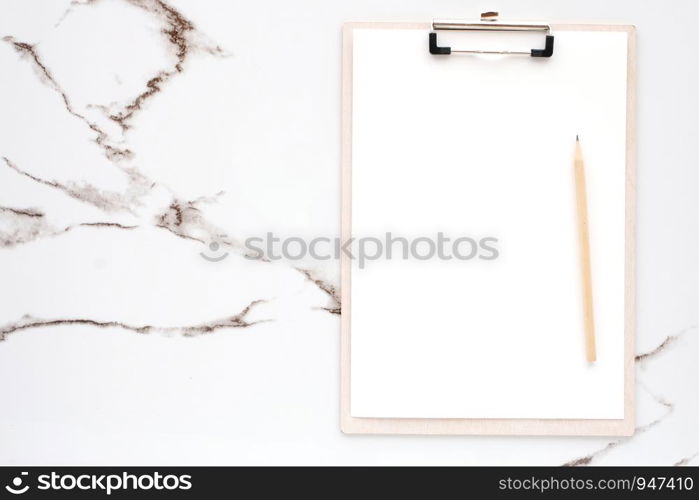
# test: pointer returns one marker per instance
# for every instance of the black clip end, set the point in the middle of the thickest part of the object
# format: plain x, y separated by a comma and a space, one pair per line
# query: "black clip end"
547, 51
434, 49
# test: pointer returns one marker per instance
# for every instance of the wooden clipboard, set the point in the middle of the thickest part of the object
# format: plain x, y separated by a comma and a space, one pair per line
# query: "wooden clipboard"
487, 426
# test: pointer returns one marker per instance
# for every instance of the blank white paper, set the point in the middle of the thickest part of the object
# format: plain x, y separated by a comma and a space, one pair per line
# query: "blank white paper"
483, 146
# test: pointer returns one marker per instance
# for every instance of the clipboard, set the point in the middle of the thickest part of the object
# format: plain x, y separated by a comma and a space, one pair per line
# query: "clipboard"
386, 423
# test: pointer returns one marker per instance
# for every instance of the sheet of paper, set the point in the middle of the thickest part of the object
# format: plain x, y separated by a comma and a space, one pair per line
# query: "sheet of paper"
475, 146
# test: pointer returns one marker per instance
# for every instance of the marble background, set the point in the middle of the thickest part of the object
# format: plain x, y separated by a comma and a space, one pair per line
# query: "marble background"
135, 132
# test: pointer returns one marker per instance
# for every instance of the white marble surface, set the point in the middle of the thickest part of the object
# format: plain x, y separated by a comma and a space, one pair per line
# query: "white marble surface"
134, 132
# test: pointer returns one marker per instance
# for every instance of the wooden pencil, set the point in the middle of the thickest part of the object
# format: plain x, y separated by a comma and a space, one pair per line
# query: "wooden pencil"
584, 237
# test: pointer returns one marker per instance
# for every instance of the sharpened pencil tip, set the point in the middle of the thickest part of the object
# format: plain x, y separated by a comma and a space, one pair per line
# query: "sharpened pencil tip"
576, 138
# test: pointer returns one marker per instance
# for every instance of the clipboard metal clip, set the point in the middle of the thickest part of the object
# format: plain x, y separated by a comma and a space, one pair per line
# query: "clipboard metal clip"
489, 22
